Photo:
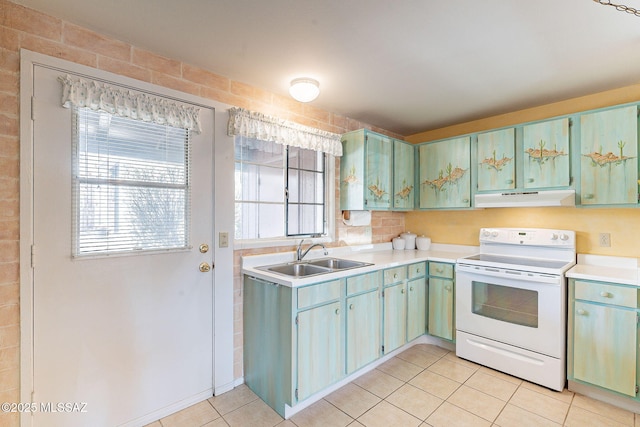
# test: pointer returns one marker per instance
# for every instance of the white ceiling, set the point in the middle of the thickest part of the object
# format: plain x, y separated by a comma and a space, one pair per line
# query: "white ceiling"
406, 66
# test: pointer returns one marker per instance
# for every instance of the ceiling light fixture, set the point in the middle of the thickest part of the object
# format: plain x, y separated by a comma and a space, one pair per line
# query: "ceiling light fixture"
304, 89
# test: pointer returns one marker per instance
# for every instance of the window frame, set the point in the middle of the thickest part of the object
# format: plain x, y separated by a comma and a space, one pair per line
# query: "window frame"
78, 181
329, 210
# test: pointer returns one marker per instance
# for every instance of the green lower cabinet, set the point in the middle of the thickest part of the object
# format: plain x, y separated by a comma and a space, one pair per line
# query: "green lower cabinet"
441, 300
603, 335
363, 330
416, 308
320, 360
395, 314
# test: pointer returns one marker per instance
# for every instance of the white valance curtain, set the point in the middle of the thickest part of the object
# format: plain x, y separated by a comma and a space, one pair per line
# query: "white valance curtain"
267, 128
123, 102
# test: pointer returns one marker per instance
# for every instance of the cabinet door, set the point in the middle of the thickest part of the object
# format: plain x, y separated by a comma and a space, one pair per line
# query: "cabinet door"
546, 154
395, 315
444, 174
416, 308
363, 330
441, 308
496, 158
609, 157
604, 347
378, 172
352, 172
320, 351
403, 175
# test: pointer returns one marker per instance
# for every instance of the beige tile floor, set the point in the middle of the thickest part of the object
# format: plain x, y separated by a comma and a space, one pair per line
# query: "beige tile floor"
423, 386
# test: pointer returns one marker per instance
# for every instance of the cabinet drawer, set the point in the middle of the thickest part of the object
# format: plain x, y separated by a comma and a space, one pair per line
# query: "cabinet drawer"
317, 294
441, 269
364, 282
394, 275
418, 269
606, 293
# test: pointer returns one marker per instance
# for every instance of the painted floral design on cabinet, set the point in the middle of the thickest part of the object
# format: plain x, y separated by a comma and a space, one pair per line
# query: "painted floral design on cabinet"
495, 152
403, 175
608, 156
546, 154
444, 178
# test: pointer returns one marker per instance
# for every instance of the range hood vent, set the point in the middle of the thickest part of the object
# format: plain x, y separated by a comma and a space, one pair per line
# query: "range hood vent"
526, 199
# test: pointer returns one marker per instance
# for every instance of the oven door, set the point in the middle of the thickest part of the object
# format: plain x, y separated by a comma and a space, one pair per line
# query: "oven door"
525, 310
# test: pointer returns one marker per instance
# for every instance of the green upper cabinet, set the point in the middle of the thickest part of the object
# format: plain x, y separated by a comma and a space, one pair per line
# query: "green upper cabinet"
496, 160
379, 152
376, 172
403, 175
608, 157
445, 180
546, 154
365, 171
352, 172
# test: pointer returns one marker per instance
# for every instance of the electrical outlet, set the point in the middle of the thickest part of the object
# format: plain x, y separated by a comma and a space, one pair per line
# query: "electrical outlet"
605, 240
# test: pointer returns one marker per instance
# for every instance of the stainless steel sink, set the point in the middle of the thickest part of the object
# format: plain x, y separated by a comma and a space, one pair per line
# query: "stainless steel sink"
297, 269
313, 267
337, 263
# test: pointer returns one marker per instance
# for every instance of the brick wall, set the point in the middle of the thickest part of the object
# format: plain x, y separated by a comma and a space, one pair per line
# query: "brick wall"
22, 27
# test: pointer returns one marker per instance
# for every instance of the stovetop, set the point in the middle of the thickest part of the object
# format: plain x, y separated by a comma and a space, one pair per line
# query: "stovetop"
525, 249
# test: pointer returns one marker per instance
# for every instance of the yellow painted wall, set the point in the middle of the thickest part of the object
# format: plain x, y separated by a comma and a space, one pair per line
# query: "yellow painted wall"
461, 227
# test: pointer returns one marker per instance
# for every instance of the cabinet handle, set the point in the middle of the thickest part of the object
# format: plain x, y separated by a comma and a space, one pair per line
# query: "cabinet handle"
508, 181
337, 311
582, 312
350, 306
395, 276
411, 288
465, 200
402, 291
605, 294
530, 180
447, 287
588, 196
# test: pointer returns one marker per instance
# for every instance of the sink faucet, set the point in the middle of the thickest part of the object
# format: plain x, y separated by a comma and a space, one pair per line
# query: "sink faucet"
300, 254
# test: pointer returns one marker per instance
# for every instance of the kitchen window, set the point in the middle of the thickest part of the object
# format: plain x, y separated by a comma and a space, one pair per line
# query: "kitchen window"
280, 191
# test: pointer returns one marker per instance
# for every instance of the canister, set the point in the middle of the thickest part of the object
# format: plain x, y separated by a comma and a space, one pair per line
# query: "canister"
409, 239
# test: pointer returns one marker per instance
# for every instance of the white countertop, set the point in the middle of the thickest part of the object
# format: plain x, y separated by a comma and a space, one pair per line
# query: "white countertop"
379, 255
606, 269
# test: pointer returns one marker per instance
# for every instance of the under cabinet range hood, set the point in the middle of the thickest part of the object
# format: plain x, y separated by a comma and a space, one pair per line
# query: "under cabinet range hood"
523, 199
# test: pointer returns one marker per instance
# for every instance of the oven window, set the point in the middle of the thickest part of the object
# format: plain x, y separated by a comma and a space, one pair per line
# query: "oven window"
512, 305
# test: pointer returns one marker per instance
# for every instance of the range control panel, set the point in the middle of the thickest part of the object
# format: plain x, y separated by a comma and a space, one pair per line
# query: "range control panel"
528, 236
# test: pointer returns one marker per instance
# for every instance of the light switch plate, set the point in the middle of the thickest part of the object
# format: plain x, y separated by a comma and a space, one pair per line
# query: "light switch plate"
223, 239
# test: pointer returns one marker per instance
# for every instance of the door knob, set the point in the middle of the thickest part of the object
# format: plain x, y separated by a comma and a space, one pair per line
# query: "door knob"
205, 267
204, 248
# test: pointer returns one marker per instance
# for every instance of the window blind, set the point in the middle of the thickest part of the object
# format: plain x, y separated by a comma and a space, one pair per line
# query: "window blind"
131, 189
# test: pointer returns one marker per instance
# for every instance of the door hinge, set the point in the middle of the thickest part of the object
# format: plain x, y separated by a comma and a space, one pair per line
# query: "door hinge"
297, 320
382, 349
33, 108
33, 256
296, 394
636, 389
383, 293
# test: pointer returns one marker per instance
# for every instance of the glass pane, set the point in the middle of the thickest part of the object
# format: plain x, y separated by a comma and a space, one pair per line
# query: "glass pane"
301, 158
512, 305
257, 151
305, 187
256, 183
305, 219
258, 220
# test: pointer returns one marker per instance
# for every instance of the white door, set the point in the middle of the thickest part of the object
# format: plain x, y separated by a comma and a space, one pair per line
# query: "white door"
122, 336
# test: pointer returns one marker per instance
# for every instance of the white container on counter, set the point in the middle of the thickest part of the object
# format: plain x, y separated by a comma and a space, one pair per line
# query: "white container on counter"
423, 243
398, 243
409, 239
